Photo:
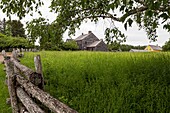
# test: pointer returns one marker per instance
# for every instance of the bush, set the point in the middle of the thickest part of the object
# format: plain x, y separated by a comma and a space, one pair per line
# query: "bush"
7, 42
70, 45
166, 47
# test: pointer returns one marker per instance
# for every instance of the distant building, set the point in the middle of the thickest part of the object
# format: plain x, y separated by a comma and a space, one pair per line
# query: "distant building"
90, 42
154, 48
137, 50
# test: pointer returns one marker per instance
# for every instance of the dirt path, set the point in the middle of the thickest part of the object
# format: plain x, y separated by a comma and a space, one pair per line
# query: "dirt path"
2, 58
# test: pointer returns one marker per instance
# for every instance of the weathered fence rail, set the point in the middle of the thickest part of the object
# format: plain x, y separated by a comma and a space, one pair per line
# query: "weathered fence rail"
26, 86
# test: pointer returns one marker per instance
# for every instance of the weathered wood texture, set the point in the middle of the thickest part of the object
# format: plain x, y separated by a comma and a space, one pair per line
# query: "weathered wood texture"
38, 68
14, 54
19, 77
22, 108
53, 104
31, 106
32, 76
11, 85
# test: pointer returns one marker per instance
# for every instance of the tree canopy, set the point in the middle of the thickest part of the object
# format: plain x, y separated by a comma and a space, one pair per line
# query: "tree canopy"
148, 14
47, 33
16, 28
166, 46
3, 26
8, 42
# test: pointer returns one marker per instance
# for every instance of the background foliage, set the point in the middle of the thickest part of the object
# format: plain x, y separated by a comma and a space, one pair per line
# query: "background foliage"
147, 14
16, 28
8, 42
70, 45
166, 47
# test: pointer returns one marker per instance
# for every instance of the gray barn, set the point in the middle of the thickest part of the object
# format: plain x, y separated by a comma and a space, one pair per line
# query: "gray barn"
90, 42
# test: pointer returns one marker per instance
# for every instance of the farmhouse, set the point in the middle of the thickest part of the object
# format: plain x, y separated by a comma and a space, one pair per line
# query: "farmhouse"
90, 42
154, 48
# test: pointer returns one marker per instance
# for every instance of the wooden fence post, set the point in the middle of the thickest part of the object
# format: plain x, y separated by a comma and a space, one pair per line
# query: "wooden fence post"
20, 88
11, 85
15, 55
38, 68
53, 104
32, 76
3, 53
21, 107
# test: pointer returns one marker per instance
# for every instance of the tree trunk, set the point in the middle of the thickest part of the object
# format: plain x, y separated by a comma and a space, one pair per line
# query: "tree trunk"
31, 106
53, 104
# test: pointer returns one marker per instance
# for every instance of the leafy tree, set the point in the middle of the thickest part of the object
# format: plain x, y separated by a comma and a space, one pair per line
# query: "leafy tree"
3, 26
125, 47
16, 28
148, 14
20, 7
139, 47
166, 47
48, 34
8, 42
70, 45
114, 46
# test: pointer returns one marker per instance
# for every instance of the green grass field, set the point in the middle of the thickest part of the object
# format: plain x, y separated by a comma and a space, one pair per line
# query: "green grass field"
103, 82
3, 92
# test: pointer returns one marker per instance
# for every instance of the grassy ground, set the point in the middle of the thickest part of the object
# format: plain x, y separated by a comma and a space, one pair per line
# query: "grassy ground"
103, 82
3, 93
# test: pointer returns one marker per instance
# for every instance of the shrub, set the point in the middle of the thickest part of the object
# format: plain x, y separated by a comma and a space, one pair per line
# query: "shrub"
70, 45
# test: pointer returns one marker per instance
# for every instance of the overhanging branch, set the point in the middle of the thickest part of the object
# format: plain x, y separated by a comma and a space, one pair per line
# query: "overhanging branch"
131, 12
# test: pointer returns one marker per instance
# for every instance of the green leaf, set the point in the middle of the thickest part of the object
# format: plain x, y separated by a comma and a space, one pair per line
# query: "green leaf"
164, 16
168, 12
131, 2
125, 26
149, 13
122, 8
130, 21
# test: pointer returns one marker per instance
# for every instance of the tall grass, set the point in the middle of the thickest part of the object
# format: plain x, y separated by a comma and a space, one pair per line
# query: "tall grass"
4, 108
103, 82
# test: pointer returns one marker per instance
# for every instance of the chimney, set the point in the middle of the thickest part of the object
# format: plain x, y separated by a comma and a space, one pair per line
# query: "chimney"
89, 32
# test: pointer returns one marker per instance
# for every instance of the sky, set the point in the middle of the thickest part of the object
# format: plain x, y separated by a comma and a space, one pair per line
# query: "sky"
134, 35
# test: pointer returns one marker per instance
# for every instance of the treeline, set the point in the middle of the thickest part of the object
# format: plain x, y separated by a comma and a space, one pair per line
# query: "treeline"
9, 42
166, 46
116, 46
12, 35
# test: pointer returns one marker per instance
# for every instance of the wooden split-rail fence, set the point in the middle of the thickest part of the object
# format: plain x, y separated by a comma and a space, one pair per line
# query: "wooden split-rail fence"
26, 88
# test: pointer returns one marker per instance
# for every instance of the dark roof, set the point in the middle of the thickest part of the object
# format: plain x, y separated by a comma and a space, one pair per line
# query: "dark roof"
94, 44
81, 37
155, 47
